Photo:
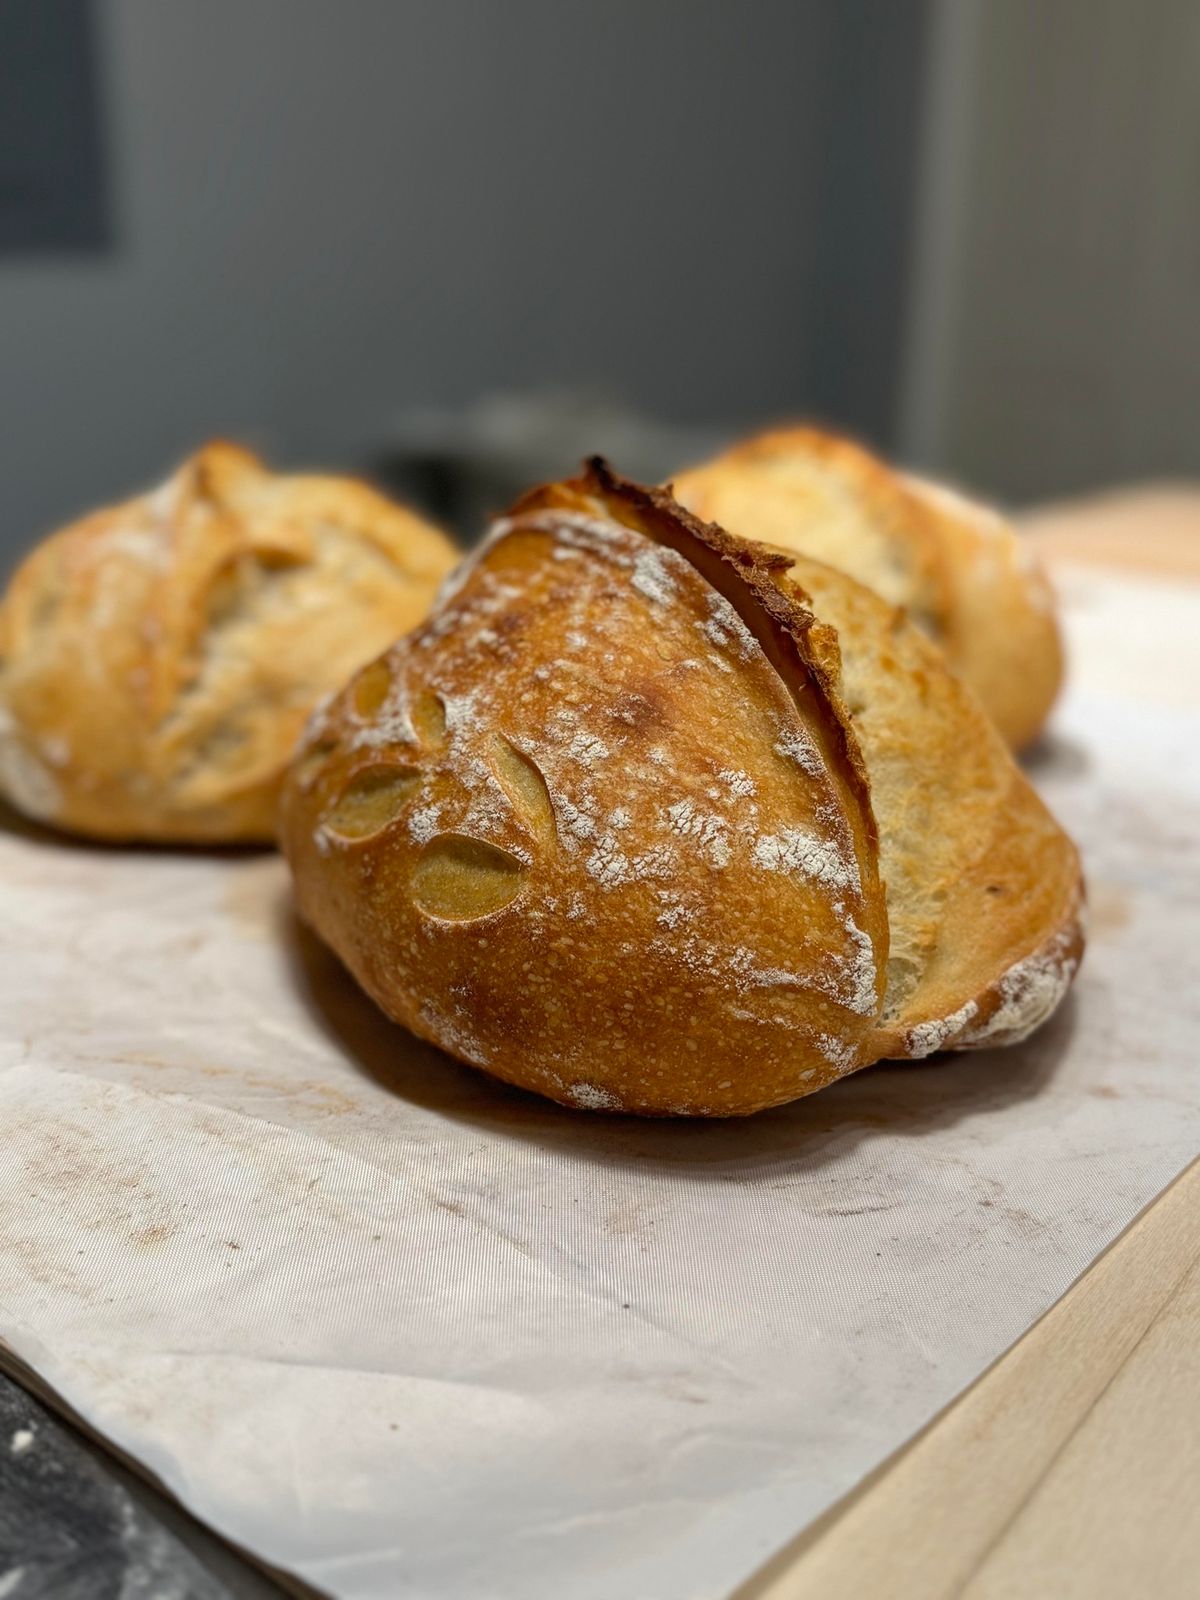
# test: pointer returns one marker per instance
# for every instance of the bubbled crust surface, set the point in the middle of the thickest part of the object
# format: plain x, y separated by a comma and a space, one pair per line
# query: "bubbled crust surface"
960, 570
586, 829
158, 659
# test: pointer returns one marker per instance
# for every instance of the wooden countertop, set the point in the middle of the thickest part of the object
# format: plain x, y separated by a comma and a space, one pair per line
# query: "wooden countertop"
1070, 1469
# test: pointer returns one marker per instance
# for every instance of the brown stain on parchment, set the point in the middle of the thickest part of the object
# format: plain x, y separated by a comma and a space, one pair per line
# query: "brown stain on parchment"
68, 1168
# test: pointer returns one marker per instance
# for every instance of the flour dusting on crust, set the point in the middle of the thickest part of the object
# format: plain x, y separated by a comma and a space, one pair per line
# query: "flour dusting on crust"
1029, 993
643, 808
926, 1038
795, 745
651, 578
796, 850
725, 629
453, 1033
23, 778
859, 971
591, 1097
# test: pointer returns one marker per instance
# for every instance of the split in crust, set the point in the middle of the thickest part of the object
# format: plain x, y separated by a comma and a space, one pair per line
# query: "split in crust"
962, 572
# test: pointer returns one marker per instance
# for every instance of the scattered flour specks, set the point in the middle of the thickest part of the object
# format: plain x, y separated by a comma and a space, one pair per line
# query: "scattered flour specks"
859, 971
591, 1097
739, 783
928, 1037
795, 745
453, 1035
1029, 992
657, 862
743, 964
836, 1051
423, 823
587, 749
651, 578
607, 864
724, 628
710, 832
794, 850
673, 912
461, 713
573, 822
391, 725
490, 805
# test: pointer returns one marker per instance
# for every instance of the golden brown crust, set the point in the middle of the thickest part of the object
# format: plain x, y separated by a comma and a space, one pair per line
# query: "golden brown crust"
1000, 631
816, 493
793, 641
604, 826
158, 659
984, 890
579, 830
959, 569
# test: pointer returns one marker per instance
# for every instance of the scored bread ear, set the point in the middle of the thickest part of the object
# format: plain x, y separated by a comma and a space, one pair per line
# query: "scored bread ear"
984, 889
959, 568
814, 493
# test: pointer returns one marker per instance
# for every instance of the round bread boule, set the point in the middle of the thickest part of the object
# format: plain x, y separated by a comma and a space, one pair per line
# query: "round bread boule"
603, 826
158, 659
555, 831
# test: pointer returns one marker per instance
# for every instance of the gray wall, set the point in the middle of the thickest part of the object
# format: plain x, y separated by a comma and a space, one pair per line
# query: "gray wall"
1056, 320
328, 211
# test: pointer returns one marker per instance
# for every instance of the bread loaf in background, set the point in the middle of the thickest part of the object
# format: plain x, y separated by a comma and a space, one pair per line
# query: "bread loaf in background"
962, 573
158, 659
647, 818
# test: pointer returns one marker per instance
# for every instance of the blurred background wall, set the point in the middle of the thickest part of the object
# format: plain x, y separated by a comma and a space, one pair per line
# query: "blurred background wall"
968, 230
1054, 335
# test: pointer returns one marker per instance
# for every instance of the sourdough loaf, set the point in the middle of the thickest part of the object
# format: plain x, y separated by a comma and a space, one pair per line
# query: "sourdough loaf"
159, 659
648, 818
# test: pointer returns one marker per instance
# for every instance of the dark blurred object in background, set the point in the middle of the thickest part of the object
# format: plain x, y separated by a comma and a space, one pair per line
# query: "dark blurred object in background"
967, 230
464, 466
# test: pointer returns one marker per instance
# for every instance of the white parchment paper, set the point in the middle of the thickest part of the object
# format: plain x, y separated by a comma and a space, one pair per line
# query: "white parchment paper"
406, 1333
